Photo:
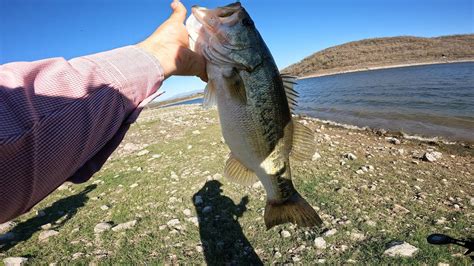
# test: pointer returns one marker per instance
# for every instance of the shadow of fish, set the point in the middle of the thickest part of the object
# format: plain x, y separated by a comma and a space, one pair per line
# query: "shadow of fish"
254, 103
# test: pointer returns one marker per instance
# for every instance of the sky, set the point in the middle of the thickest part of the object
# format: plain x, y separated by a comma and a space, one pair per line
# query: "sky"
38, 29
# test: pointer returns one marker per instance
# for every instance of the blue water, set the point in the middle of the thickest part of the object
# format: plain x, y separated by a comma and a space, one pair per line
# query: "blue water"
431, 100
192, 101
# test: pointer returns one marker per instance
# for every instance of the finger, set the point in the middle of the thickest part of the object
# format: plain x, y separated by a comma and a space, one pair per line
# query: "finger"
196, 65
179, 11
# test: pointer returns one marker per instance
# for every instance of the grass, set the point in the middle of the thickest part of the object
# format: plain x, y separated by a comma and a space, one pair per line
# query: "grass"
233, 230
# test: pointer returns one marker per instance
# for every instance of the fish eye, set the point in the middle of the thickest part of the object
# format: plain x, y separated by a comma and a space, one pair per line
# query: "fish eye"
247, 22
225, 14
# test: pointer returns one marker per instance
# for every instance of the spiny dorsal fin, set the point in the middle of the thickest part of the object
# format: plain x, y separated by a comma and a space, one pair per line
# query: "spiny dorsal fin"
236, 172
291, 94
303, 146
210, 98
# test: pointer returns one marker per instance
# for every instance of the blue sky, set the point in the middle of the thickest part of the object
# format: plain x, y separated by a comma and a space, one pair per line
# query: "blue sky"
38, 29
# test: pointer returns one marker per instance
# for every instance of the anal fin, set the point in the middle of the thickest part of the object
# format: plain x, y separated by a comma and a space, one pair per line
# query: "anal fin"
303, 146
294, 210
236, 172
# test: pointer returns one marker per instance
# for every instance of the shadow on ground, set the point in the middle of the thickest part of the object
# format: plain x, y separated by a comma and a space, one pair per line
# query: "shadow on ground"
57, 215
221, 234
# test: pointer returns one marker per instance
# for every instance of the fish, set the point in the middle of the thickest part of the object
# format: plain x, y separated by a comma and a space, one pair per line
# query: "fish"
255, 105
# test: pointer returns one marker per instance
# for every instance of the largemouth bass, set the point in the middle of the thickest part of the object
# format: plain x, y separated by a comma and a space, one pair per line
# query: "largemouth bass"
254, 103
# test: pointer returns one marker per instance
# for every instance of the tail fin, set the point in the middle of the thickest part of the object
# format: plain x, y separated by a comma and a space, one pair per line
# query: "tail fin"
295, 210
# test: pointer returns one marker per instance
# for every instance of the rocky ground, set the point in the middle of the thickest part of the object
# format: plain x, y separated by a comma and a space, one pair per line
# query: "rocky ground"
161, 198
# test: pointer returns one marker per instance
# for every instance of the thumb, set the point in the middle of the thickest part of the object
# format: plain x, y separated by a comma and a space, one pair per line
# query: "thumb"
179, 11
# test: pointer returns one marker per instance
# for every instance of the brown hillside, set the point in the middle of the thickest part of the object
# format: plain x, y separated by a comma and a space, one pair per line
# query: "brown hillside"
383, 52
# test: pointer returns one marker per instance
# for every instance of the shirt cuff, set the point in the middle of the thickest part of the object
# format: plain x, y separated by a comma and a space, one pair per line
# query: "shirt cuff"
134, 72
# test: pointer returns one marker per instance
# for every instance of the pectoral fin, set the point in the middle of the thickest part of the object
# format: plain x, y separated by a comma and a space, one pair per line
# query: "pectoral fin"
236, 172
303, 146
210, 97
235, 84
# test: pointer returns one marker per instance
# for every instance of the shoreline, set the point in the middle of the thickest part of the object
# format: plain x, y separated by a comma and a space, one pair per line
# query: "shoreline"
382, 131
386, 67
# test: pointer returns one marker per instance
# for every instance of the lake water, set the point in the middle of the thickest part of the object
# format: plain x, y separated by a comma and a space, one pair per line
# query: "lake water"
430, 100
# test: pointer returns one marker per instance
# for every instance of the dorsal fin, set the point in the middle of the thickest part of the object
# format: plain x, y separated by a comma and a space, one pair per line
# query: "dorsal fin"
291, 94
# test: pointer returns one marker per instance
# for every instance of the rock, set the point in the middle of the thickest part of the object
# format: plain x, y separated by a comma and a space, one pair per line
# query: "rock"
393, 140
133, 185
277, 255
402, 249
400, 209
46, 226
130, 147
102, 227
199, 249
77, 255
40, 213
207, 209
173, 223
196, 132
316, 156
64, 186
43, 236
6, 226
15, 261
371, 223
471, 201
139, 169
257, 184
355, 236
321, 261
187, 212
198, 200
320, 243
162, 227
285, 234
350, 156
124, 226
143, 152
360, 171
104, 207
193, 220
443, 264
190, 147
156, 156
432, 156
296, 258
174, 176
330, 232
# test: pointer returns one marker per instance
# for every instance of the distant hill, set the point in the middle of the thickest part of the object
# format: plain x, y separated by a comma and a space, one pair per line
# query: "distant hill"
385, 52
178, 98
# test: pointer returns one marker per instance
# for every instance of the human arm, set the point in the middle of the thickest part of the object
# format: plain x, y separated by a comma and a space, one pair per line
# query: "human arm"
60, 120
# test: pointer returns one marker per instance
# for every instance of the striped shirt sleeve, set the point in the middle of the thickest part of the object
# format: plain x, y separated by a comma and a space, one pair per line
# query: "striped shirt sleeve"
60, 120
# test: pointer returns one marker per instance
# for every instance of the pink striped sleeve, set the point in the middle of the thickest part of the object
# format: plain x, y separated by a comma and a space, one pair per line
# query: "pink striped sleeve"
60, 120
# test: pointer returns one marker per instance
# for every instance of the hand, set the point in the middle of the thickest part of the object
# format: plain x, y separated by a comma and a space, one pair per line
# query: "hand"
170, 45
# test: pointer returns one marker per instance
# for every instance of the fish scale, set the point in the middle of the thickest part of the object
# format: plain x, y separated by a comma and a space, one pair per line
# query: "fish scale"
253, 108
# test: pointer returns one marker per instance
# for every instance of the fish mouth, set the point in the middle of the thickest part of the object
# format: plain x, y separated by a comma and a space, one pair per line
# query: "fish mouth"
212, 18
205, 22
